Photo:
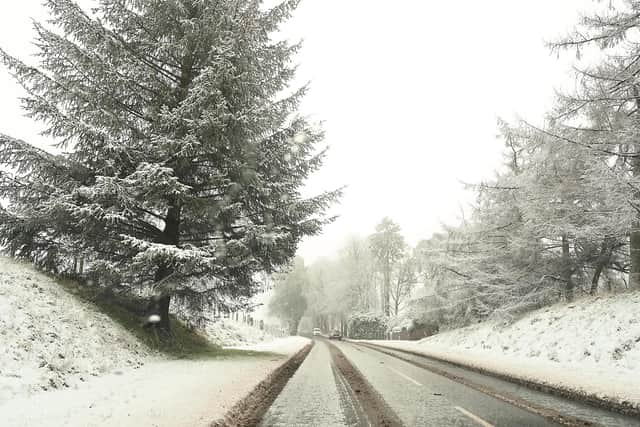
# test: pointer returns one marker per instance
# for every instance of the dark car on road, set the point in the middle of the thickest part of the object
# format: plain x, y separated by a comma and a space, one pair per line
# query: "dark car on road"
335, 335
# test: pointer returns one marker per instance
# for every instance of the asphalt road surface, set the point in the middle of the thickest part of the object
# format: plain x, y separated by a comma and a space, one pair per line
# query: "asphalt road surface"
348, 384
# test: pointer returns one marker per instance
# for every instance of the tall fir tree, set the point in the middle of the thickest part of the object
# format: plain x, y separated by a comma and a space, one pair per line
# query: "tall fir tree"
182, 155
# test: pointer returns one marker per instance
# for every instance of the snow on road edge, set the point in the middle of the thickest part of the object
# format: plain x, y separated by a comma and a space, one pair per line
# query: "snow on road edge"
286, 345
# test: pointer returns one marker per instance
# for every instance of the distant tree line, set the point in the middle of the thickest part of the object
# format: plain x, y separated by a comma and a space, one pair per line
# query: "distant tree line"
374, 275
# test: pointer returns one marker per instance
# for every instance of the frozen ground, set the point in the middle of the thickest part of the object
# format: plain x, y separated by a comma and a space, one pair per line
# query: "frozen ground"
591, 346
50, 340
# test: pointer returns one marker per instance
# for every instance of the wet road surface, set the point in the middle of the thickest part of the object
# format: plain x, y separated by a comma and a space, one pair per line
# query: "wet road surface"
422, 398
594, 415
320, 395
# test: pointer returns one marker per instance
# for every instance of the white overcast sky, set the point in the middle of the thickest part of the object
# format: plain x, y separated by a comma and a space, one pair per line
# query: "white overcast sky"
408, 91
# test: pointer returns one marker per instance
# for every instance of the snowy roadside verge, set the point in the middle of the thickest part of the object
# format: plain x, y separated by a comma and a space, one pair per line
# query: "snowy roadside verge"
588, 350
226, 333
161, 393
286, 345
51, 340
66, 363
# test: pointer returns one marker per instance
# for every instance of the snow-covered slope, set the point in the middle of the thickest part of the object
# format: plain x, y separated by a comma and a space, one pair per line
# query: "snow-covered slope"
591, 346
595, 331
64, 363
50, 340
228, 333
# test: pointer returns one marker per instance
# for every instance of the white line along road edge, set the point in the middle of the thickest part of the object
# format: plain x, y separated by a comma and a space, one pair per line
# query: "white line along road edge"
475, 418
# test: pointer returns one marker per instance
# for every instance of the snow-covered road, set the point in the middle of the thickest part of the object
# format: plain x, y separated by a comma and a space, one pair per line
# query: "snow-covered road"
311, 397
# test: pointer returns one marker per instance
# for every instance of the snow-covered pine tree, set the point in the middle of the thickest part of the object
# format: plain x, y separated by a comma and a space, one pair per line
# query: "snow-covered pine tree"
604, 112
181, 154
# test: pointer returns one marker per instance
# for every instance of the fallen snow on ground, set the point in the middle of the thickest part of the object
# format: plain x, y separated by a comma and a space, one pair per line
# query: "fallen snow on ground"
64, 363
227, 333
287, 345
50, 340
591, 346
161, 393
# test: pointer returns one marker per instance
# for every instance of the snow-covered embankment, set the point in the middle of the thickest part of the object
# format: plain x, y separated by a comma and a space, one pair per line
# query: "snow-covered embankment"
64, 363
51, 340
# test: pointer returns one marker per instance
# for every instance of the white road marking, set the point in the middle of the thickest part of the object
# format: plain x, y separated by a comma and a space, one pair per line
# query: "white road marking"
408, 378
475, 418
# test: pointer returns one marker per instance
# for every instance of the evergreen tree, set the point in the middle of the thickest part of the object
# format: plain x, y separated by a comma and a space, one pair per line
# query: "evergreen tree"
181, 153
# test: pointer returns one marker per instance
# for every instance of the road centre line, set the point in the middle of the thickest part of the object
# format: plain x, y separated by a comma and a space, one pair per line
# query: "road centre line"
474, 417
406, 377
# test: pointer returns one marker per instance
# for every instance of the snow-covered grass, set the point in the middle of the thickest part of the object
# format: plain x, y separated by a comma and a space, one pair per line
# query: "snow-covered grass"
66, 361
591, 346
50, 340
228, 333
170, 393
160, 393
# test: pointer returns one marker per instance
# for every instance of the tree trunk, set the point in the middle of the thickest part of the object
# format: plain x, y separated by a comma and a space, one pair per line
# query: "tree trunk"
170, 236
293, 326
596, 278
567, 269
386, 290
164, 326
634, 256
160, 304
634, 239
603, 260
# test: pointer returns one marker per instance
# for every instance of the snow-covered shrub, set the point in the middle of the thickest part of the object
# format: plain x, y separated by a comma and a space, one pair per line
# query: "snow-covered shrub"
367, 326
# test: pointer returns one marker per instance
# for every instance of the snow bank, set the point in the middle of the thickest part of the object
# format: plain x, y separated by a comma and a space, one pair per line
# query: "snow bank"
161, 393
95, 373
51, 340
591, 347
287, 345
228, 333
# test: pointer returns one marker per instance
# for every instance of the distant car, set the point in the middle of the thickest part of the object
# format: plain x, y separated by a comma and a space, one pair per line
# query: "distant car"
335, 335
316, 331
